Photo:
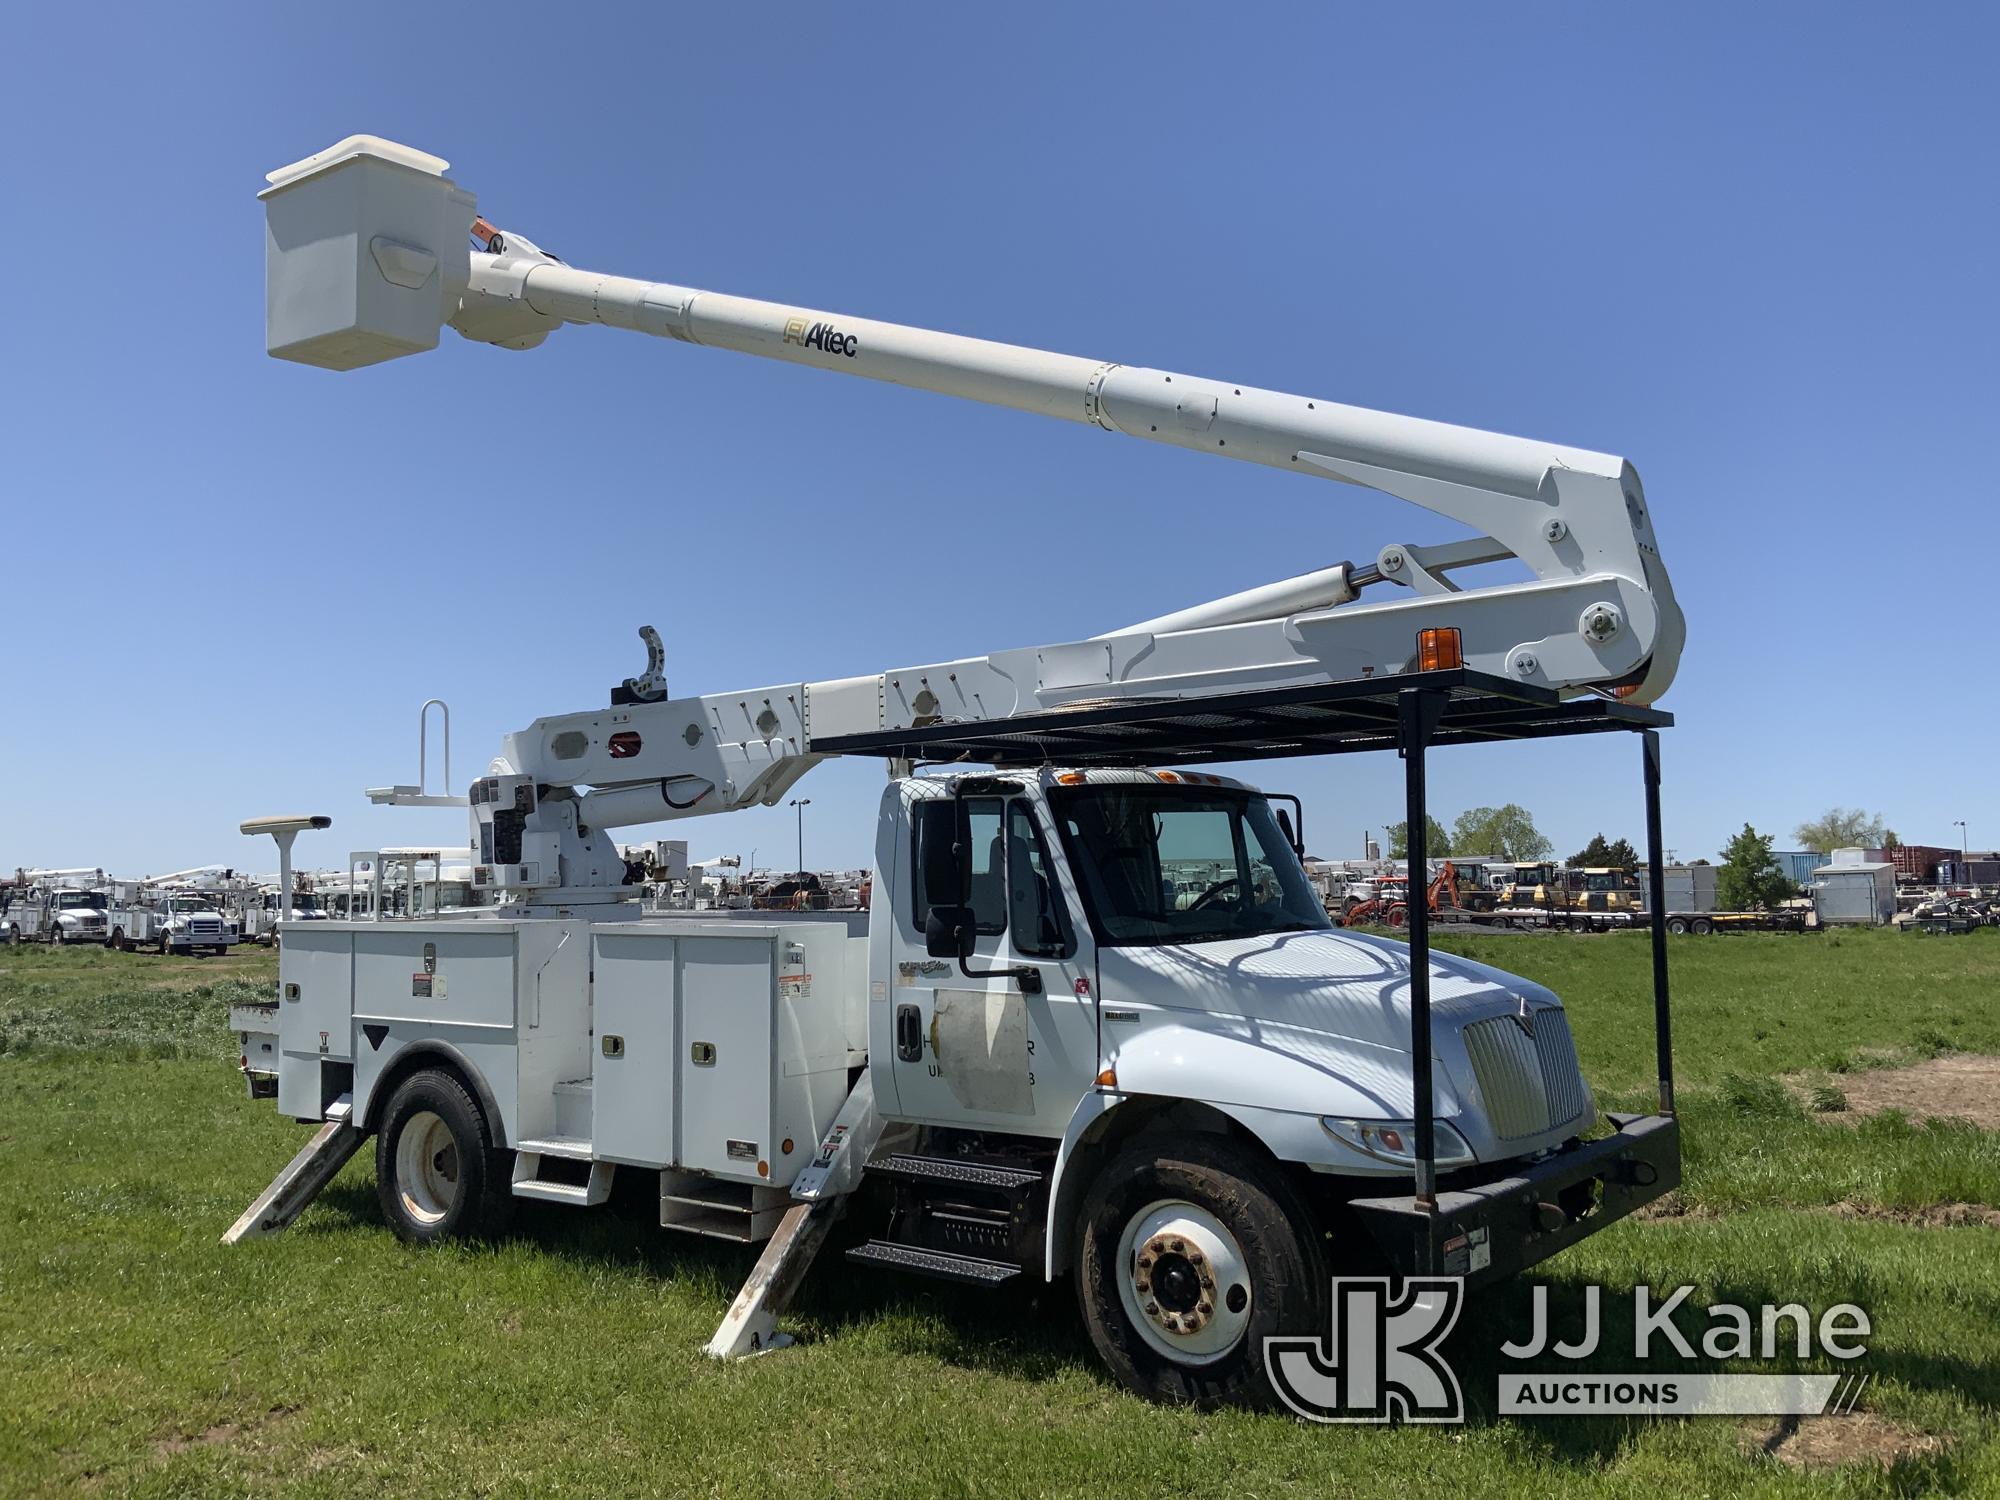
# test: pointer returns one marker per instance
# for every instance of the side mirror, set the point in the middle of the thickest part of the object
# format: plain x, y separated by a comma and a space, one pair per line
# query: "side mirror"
944, 875
948, 932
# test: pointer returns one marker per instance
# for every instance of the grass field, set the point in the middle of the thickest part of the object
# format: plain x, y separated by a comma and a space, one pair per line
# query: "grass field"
138, 1356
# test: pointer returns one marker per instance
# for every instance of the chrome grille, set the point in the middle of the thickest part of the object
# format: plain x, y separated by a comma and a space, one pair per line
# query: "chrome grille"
1531, 1083
209, 927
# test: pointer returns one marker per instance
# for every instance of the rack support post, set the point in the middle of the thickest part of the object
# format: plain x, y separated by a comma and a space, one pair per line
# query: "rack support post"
1418, 712
1656, 902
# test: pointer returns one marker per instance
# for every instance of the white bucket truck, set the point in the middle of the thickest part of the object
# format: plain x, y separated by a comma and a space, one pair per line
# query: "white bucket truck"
1097, 1022
55, 906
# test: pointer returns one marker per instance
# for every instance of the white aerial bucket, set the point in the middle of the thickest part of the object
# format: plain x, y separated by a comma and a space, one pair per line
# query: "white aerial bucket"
366, 253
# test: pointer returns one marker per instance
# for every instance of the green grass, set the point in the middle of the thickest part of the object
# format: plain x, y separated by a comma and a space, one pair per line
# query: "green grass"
138, 1356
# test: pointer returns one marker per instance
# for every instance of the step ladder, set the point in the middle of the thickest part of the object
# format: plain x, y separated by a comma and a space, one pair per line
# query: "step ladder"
978, 1223
532, 1177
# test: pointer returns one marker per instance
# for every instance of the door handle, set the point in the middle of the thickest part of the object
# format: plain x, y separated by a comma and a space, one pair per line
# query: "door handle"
909, 1034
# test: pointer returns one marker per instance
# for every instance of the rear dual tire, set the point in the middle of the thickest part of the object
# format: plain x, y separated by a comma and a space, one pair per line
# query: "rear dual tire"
437, 1173
1189, 1255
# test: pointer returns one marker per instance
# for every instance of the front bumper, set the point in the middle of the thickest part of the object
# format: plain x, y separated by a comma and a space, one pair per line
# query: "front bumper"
1485, 1231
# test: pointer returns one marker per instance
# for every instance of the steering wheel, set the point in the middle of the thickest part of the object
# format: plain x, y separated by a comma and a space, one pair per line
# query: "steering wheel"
1212, 892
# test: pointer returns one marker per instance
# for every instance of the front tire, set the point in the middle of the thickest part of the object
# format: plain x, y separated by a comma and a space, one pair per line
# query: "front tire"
436, 1172
1190, 1253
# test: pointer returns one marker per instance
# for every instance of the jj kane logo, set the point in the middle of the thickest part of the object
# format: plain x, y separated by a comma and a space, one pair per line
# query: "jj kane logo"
1382, 1361
821, 336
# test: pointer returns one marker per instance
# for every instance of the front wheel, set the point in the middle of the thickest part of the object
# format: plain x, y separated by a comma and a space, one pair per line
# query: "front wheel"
436, 1172
1677, 925
165, 947
1191, 1252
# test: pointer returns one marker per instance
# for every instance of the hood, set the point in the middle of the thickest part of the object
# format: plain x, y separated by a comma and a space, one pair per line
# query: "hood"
1314, 1022
1335, 983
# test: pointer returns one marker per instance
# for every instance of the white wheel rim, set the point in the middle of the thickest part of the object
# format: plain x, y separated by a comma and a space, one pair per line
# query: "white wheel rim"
1183, 1282
426, 1168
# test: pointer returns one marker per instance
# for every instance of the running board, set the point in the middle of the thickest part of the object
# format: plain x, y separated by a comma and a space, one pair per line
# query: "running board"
302, 1179
970, 1270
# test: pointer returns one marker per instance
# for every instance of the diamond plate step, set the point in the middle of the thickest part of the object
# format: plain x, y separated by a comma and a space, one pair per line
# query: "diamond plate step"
942, 1264
951, 1169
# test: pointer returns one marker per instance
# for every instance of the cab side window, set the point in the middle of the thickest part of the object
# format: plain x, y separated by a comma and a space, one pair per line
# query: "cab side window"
1041, 927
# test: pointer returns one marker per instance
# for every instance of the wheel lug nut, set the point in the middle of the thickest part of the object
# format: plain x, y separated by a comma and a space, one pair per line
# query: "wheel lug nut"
1152, 1309
1207, 1309
1179, 1246
1194, 1257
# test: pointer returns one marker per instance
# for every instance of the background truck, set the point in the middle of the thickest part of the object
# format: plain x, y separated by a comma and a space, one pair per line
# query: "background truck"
1097, 1023
168, 920
46, 906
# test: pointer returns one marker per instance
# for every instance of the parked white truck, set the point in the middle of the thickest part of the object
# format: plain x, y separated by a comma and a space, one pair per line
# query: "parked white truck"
170, 920
1097, 1022
54, 906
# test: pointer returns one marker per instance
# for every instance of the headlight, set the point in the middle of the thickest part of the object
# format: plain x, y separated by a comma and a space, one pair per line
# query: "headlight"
1396, 1140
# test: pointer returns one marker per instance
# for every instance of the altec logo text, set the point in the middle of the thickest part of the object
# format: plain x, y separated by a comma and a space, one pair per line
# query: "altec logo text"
822, 336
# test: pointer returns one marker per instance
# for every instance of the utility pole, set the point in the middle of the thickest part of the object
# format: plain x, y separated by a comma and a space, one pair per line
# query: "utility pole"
802, 803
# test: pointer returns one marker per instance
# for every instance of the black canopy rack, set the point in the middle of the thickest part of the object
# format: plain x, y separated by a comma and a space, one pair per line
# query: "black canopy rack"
1409, 713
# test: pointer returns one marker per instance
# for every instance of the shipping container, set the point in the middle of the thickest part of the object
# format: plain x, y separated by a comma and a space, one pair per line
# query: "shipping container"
1919, 862
1798, 864
1855, 895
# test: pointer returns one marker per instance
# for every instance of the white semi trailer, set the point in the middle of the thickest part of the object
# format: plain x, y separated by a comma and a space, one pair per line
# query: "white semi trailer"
1043, 1054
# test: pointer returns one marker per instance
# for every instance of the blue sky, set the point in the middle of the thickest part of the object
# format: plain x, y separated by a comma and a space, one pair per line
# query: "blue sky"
1750, 248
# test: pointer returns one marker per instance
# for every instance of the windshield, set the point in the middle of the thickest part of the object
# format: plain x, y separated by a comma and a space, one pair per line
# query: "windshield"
190, 903
92, 899
1167, 864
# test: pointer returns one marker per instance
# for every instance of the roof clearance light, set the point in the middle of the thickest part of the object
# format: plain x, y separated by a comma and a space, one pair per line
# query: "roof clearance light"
1070, 778
1440, 649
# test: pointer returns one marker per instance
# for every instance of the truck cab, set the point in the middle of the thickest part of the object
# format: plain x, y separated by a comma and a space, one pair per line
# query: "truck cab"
72, 915
1092, 981
189, 923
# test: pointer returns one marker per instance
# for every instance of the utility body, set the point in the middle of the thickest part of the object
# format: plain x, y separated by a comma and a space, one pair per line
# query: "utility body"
1096, 1021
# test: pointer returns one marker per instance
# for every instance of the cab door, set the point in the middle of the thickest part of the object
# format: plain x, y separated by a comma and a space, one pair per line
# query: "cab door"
993, 1049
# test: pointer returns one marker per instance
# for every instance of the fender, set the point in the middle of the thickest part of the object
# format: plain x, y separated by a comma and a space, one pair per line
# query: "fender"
409, 1058
1176, 1061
